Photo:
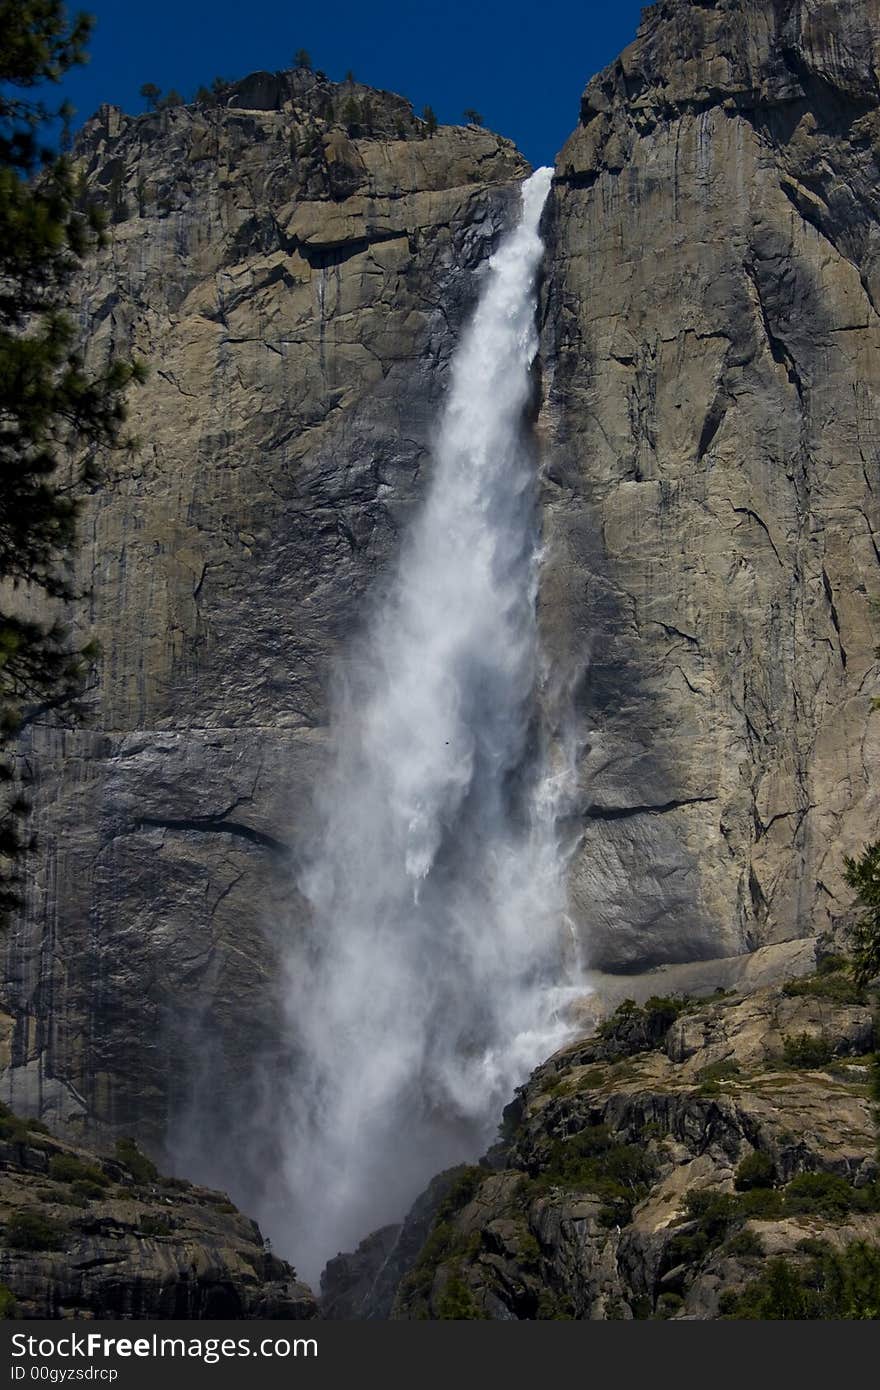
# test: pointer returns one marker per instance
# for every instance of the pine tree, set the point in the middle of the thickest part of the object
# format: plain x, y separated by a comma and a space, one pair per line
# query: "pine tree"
351, 116
301, 59
430, 120
863, 875
151, 94
472, 117
55, 416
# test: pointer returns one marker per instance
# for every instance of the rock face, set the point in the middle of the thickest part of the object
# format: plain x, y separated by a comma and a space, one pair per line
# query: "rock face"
647, 1171
296, 262
297, 290
87, 1236
710, 352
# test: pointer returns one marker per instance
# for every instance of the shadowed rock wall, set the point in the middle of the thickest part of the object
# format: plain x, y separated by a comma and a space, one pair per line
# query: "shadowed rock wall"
297, 290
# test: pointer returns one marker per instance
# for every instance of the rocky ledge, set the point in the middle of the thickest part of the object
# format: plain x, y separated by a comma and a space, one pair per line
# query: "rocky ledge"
85, 1236
692, 1159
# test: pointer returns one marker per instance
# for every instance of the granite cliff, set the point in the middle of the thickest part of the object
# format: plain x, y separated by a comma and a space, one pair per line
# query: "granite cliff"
693, 1159
298, 292
711, 394
706, 411
88, 1235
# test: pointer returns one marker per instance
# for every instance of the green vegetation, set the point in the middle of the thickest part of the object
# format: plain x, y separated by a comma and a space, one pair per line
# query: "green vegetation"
177, 1184
863, 876
610, 1027
430, 119
832, 980
59, 1196
33, 1230
460, 1192
806, 1052
12, 1128
151, 94
668, 1304
633, 1028
90, 1191
593, 1161
69, 1168
472, 117
710, 1217
141, 1168
745, 1244
710, 1077
8, 1305
457, 1302
301, 59
154, 1226
18, 1131
554, 1307
446, 1245
756, 1170
713, 1218
828, 1195
832, 1286
351, 116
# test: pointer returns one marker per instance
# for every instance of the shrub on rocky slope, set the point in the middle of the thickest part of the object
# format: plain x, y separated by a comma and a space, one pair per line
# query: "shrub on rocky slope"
703, 1169
83, 1235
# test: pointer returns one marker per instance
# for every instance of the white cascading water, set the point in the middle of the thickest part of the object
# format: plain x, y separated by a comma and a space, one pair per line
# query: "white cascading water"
432, 978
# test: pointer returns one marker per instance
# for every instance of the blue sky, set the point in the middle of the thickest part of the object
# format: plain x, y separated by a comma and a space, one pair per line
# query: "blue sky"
521, 65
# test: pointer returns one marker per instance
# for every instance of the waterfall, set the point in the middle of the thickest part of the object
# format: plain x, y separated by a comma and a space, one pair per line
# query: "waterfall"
431, 978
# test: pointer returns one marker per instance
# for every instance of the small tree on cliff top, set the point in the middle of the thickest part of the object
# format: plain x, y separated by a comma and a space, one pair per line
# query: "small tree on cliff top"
55, 416
151, 94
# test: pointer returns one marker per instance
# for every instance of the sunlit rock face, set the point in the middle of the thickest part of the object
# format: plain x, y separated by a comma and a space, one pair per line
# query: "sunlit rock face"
712, 376
709, 382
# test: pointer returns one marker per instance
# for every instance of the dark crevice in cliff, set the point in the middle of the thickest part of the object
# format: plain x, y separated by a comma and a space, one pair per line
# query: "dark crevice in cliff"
842, 106
810, 214
757, 899
215, 825
573, 178
327, 257
829, 594
867, 522
625, 812
711, 426
753, 516
779, 350
672, 631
